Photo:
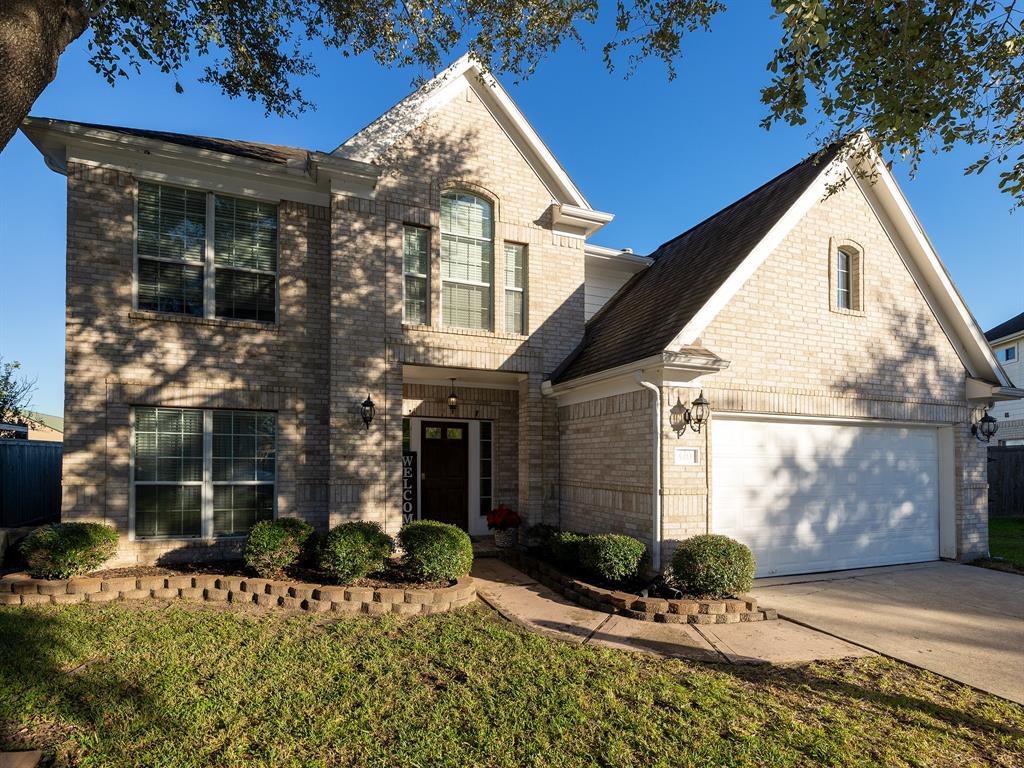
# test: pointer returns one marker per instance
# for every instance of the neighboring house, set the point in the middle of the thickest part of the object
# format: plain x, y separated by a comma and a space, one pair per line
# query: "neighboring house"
231, 305
43, 426
1007, 340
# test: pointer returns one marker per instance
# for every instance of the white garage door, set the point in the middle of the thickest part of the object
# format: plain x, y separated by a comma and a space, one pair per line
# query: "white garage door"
815, 496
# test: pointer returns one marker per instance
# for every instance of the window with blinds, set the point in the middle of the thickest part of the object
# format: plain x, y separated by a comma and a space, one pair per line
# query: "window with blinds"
515, 288
245, 259
202, 473
416, 267
171, 247
467, 260
235, 278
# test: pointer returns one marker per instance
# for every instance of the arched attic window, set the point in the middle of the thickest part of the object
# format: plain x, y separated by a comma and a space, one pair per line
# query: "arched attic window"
847, 278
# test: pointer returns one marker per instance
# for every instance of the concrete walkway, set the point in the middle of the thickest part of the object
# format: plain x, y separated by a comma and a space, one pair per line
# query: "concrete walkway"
963, 622
539, 609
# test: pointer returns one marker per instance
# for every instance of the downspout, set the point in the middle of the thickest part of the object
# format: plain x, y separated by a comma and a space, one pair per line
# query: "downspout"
656, 473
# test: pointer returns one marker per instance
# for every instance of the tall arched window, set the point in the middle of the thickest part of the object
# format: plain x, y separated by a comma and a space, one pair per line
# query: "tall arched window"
847, 278
467, 260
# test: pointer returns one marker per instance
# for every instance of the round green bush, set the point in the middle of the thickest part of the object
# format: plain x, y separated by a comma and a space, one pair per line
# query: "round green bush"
354, 550
714, 566
275, 545
611, 557
436, 551
563, 548
63, 550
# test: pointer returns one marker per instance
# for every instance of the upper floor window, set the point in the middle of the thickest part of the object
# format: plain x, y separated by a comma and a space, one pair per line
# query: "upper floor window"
206, 255
846, 281
1009, 354
515, 288
467, 260
415, 268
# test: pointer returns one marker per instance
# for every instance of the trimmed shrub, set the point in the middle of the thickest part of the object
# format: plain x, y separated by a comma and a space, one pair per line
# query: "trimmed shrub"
436, 551
564, 548
713, 565
540, 536
354, 550
612, 557
63, 550
275, 545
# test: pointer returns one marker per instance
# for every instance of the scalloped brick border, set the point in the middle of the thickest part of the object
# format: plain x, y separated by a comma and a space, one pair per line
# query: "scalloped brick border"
684, 611
21, 589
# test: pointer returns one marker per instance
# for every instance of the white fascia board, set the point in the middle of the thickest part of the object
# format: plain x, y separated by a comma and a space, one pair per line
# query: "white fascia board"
979, 390
572, 218
980, 362
830, 174
369, 143
170, 163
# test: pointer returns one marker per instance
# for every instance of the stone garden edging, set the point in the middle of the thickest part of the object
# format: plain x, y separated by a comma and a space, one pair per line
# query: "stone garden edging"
682, 611
22, 589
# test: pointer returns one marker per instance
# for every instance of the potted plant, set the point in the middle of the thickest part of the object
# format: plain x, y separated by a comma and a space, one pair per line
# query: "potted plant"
504, 522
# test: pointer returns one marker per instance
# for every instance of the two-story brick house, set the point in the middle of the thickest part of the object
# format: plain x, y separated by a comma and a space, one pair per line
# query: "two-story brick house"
231, 306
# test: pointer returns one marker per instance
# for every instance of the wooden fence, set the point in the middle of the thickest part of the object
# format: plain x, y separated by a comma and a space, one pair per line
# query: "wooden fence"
1006, 481
29, 482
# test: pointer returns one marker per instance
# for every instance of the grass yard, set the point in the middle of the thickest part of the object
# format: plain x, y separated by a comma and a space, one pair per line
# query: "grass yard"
1006, 544
126, 685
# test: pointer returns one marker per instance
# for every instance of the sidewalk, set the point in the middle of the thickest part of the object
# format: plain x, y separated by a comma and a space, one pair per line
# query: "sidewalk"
533, 606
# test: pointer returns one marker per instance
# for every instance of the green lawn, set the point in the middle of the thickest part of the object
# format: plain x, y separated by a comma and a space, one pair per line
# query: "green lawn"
147, 685
1006, 540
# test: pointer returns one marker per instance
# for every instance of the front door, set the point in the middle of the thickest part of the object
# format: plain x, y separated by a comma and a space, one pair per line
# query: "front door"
444, 478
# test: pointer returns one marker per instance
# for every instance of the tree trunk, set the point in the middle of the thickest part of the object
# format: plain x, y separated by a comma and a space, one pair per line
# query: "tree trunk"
33, 35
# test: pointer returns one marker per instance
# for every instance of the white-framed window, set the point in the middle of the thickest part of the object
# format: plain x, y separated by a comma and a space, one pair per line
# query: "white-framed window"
205, 255
467, 260
846, 277
415, 270
1010, 354
201, 473
486, 467
844, 281
515, 288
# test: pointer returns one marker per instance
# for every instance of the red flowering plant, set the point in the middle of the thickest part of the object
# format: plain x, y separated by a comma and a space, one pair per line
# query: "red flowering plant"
501, 518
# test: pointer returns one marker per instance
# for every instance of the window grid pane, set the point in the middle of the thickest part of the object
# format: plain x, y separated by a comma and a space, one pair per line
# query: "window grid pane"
168, 471
514, 312
486, 469
244, 295
245, 255
467, 260
169, 287
171, 223
843, 280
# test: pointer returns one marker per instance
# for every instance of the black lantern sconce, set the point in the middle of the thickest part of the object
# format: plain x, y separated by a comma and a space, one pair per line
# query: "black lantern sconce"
695, 416
366, 411
453, 399
985, 428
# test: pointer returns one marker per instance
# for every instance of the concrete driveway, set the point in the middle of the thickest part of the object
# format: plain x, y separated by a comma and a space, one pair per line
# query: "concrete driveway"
963, 622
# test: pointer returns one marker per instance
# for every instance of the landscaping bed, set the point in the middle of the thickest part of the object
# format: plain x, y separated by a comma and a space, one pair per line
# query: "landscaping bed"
165, 584
670, 611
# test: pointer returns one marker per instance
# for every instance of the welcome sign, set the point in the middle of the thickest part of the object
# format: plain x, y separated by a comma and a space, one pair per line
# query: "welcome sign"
409, 501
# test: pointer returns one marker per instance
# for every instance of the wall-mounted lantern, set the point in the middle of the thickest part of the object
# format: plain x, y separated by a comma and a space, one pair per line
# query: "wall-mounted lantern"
366, 411
985, 428
695, 416
453, 399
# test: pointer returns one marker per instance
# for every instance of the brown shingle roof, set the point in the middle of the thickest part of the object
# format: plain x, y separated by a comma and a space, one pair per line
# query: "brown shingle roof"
271, 153
1010, 327
643, 318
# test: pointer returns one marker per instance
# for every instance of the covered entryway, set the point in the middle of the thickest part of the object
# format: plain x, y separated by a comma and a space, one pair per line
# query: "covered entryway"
809, 496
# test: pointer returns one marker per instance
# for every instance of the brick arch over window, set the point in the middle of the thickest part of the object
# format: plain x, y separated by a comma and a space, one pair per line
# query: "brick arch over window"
440, 186
846, 266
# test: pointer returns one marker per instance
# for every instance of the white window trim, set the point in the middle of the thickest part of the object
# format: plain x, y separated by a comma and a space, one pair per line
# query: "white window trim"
207, 483
524, 325
458, 281
209, 258
425, 276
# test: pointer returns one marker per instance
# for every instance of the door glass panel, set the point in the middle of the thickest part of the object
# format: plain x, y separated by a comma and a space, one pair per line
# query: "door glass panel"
432, 433
454, 433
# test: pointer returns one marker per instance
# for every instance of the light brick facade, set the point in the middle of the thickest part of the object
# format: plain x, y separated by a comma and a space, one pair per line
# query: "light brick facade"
790, 353
340, 337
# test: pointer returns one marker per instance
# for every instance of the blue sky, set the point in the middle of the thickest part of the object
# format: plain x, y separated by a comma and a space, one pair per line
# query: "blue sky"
661, 155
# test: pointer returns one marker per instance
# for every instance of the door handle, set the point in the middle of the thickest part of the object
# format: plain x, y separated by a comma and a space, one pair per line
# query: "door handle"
423, 475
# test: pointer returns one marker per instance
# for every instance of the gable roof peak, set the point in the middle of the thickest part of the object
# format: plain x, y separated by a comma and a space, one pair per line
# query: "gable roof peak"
372, 141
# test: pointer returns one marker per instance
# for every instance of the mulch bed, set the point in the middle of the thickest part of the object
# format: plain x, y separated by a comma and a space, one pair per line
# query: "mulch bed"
392, 577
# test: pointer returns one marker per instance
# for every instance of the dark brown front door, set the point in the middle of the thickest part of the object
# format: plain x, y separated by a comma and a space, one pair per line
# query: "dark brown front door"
444, 479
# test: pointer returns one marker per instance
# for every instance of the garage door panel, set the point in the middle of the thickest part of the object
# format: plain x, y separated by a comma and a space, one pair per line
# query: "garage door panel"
809, 496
